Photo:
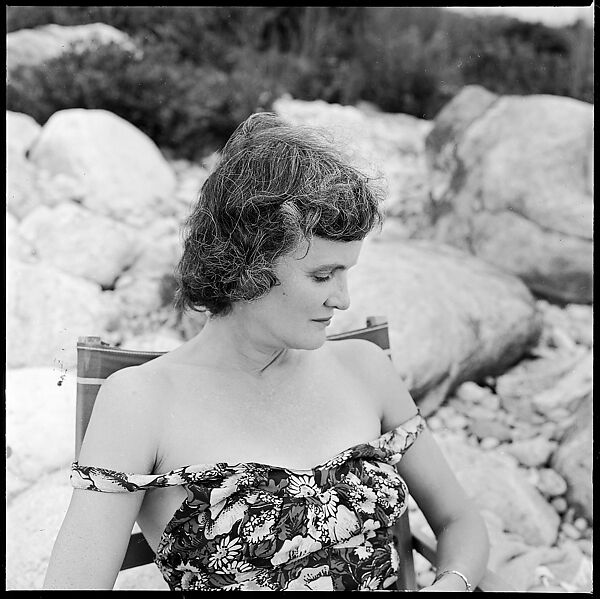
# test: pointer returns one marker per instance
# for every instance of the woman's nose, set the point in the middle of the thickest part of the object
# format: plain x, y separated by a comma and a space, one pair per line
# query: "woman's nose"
339, 297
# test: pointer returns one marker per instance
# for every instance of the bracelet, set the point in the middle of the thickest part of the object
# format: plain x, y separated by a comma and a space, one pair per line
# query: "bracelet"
460, 574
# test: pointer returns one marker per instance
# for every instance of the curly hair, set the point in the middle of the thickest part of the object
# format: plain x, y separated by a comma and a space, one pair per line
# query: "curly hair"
274, 186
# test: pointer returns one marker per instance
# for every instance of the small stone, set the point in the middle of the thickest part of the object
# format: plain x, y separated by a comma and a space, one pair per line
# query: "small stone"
434, 423
477, 411
488, 443
492, 402
585, 545
471, 392
533, 452
523, 432
581, 524
551, 483
570, 515
532, 476
456, 421
570, 531
483, 428
559, 504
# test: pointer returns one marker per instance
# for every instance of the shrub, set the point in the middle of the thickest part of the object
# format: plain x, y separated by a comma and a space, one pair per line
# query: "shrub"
183, 107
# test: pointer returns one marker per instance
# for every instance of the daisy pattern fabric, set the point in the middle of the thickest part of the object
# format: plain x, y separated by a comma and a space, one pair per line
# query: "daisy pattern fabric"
252, 526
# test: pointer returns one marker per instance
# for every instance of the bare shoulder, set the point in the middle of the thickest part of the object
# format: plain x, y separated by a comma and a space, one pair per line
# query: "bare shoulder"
123, 431
372, 364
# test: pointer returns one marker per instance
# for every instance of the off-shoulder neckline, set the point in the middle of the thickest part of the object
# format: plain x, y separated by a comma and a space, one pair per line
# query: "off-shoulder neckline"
206, 467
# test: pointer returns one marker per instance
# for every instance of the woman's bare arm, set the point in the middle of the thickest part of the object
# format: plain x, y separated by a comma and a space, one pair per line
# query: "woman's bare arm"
462, 540
89, 549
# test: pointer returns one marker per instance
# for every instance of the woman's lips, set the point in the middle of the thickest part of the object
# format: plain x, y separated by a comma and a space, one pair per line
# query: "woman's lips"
324, 321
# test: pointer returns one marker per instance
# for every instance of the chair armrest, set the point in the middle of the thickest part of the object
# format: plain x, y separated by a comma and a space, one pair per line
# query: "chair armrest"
490, 582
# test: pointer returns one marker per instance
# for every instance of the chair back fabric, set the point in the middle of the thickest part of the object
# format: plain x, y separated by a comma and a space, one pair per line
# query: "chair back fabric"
97, 360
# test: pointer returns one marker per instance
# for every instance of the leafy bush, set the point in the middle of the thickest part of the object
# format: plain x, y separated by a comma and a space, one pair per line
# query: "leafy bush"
183, 107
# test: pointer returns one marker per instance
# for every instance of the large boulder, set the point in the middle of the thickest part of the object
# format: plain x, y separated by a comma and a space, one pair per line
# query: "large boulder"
47, 310
22, 192
121, 172
141, 289
21, 132
33, 520
17, 247
496, 484
511, 182
573, 459
387, 145
452, 317
33, 47
547, 387
40, 423
81, 243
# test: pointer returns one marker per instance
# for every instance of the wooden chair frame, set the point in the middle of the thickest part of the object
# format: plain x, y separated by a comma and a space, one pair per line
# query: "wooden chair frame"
96, 360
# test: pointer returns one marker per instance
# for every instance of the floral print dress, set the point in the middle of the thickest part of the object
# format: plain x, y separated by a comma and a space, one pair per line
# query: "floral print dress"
253, 526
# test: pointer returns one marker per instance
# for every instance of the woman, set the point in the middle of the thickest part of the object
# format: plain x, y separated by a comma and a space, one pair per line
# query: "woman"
262, 456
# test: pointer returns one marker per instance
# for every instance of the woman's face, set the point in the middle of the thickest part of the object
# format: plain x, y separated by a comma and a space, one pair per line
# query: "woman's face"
313, 283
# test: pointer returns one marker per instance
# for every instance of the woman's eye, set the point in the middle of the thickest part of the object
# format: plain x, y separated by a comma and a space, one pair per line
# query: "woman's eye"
322, 278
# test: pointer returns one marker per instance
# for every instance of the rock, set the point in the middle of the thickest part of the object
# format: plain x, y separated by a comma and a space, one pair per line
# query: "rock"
33, 520
477, 412
157, 341
570, 389
574, 570
533, 452
33, 47
488, 443
160, 249
496, 484
58, 188
21, 131
585, 546
532, 377
580, 524
511, 183
121, 172
550, 483
17, 247
40, 421
559, 504
22, 192
452, 317
137, 296
434, 422
570, 530
573, 460
490, 428
81, 243
566, 326
47, 310
520, 570
391, 145
581, 326
471, 392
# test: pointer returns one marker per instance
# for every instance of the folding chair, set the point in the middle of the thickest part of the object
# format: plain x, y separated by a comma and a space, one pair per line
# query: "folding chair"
97, 360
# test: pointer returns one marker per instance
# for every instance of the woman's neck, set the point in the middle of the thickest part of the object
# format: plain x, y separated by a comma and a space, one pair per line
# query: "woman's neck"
234, 342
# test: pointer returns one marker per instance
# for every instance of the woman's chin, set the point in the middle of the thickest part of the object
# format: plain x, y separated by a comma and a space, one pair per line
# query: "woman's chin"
313, 342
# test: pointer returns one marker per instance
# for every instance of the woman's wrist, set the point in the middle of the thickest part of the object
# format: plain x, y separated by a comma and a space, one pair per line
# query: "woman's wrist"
452, 580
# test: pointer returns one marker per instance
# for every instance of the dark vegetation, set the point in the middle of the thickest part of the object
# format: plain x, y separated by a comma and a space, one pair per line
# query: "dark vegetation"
203, 69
